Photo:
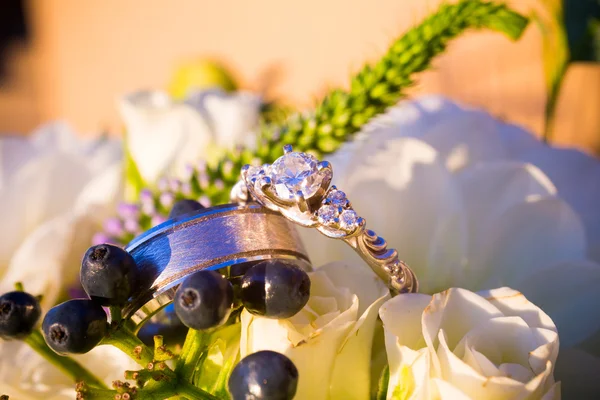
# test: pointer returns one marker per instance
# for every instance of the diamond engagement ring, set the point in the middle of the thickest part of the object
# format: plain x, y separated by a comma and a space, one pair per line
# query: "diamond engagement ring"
297, 185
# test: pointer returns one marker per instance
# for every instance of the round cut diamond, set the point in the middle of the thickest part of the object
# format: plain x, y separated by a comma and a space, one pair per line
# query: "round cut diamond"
348, 220
327, 214
337, 198
296, 172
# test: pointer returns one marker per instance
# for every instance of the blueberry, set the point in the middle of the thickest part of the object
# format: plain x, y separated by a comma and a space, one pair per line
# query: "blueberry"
265, 375
185, 206
108, 274
204, 300
19, 312
75, 326
275, 289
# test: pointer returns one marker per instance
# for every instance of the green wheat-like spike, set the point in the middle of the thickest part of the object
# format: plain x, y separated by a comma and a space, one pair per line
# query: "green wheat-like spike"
373, 89
343, 112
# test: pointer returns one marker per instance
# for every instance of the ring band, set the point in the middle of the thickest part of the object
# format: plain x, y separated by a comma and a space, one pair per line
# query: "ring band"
297, 186
214, 238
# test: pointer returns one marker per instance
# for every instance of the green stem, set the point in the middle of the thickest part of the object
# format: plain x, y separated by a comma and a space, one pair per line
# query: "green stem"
115, 315
154, 391
66, 364
194, 345
126, 341
191, 392
552, 101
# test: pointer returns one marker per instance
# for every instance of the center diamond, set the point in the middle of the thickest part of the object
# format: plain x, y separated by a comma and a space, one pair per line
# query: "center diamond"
295, 172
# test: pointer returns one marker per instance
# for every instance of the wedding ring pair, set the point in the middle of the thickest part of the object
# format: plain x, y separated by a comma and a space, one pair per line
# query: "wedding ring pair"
269, 201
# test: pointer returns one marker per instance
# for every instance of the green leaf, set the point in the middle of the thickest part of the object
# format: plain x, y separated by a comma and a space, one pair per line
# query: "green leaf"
570, 32
375, 87
134, 183
383, 384
342, 113
221, 356
582, 23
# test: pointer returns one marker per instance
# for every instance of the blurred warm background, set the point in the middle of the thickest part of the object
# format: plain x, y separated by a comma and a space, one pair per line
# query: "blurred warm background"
79, 56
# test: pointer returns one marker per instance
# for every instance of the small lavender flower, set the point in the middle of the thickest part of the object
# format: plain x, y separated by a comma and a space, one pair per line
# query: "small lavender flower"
163, 184
186, 189
219, 185
167, 199
188, 172
203, 180
174, 185
128, 210
227, 167
146, 196
101, 238
157, 220
132, 226
113, 227
204, 200
148, 208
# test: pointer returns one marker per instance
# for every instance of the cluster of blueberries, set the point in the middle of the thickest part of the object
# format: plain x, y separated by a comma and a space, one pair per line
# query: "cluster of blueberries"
203, 301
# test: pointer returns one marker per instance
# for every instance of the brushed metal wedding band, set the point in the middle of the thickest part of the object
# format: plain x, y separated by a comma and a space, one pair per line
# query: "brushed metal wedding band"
213, 238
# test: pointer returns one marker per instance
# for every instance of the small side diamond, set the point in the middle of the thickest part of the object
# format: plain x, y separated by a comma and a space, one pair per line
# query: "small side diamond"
337, 198
327, 214
254, 172
348, 220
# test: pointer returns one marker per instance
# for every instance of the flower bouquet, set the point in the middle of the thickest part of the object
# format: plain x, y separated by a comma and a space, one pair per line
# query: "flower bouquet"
223, 260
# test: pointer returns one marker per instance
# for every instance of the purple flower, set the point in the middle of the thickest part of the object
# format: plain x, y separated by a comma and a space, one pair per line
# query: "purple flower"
113, 227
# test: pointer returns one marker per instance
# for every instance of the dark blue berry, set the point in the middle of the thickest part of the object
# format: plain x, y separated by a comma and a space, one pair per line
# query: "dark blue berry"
204, 300
75, 326
19, 312
275, 289
185, 206
265, 375
108, 274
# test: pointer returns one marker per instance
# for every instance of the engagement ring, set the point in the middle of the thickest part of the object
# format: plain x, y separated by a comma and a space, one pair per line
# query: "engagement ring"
297, 186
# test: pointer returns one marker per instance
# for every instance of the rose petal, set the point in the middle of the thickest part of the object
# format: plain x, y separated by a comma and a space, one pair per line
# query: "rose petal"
466, 379
569, 293
554, 393
409, 374
527, 238
474, 139
513, 303
354, 356
162, 135
456, 311
448, 392
419, 192
48, 261
401, 318
233, 117
575, 175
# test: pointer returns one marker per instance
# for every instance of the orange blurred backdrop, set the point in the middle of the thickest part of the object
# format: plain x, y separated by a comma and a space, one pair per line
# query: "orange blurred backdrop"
84, 54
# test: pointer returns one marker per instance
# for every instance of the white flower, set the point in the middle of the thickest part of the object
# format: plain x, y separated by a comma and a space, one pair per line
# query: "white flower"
469, 201
472, 202
54, 191
330, 340
164, 135
461, 345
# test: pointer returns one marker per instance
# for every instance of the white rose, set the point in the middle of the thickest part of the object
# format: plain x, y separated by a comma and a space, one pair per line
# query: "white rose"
55, 190
330, 340
470, 201
163, 135
461, 345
